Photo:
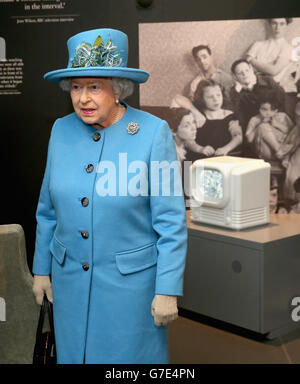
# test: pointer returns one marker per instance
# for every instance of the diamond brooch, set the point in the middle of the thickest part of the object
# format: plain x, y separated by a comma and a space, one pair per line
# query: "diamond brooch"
132, 128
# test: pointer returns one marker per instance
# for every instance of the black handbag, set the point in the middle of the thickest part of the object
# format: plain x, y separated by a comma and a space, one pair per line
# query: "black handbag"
44, 349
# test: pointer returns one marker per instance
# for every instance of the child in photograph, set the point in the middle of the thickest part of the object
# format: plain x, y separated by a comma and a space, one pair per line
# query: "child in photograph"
184, 132
275, 205
219, 133
269, 128
290, 151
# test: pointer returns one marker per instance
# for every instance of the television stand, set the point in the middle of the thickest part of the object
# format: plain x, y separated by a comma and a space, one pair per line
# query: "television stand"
247, 278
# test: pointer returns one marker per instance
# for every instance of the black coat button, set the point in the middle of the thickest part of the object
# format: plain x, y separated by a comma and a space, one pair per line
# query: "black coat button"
85, 266
85, 234
84, 201
89, 168
96, 136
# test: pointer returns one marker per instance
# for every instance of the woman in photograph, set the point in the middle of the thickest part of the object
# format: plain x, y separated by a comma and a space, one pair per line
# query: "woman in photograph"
110, 247
220, 132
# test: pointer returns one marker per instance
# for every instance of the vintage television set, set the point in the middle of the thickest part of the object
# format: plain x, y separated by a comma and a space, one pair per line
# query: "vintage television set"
230, 191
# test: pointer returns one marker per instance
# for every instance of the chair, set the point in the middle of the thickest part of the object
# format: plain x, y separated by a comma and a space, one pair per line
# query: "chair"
18, 310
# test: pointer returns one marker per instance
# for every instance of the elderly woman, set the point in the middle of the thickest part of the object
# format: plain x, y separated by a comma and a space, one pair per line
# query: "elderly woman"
108, 234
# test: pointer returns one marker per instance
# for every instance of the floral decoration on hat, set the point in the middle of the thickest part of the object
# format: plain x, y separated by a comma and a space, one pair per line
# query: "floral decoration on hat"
100, 54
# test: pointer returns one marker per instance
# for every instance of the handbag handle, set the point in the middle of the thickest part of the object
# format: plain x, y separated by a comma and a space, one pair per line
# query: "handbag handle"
50, 314
41, 348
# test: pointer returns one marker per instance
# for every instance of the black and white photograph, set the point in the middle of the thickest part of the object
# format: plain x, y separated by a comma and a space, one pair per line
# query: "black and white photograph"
229, 87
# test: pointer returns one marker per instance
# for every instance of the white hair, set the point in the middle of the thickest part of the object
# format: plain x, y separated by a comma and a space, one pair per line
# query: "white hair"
121, 86
65, 84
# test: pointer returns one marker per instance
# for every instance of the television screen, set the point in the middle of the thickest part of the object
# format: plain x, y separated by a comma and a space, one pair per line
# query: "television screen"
212, 182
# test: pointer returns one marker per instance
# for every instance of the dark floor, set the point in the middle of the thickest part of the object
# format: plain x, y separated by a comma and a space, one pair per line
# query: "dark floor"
195, 342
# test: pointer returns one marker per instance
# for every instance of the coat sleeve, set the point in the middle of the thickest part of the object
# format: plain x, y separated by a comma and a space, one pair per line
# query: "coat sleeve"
168, 213
46, 220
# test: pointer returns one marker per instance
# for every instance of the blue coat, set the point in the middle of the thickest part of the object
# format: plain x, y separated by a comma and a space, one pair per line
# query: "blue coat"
109, 248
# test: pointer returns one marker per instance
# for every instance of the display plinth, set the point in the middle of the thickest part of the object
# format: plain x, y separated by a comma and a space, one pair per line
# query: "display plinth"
247, 278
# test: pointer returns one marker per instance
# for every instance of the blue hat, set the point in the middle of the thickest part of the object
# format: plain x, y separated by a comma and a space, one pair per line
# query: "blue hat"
98, 53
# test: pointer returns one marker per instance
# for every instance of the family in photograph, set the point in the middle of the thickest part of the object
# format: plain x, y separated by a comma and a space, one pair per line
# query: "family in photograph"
254, 111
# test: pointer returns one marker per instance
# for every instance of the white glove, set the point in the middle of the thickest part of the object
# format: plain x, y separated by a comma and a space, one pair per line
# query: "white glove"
41, 286
164, 309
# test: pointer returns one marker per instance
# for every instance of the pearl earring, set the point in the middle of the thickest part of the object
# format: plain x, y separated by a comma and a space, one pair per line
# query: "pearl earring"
117, 101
